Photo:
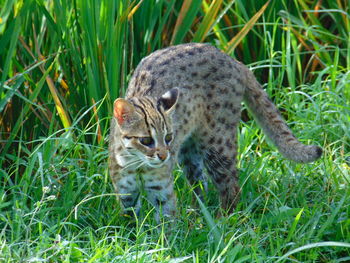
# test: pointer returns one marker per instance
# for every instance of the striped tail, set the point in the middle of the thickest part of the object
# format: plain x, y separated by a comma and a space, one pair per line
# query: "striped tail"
273, 125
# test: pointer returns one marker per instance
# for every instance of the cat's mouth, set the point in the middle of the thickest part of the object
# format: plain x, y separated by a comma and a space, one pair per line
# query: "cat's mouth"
155, 162
136, 160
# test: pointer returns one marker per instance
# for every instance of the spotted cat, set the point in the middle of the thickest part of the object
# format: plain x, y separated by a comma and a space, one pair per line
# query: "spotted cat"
183, 105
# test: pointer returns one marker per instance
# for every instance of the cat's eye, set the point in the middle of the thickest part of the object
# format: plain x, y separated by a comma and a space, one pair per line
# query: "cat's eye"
168, 138
147, 141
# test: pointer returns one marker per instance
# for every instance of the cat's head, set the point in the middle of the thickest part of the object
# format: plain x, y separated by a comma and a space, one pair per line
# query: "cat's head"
145, 126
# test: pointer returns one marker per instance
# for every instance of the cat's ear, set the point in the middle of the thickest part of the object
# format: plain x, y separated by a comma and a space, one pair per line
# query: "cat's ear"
168, 100
125, 112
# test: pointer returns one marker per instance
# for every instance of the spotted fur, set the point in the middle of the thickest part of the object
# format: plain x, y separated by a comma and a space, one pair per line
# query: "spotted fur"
185, 102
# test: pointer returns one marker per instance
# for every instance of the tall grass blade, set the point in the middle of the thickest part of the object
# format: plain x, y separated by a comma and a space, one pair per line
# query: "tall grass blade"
160, 30
215, 27
294, 225
184, 10
5, 13
208, 21
232, 44
214, 228
133, 10
314, 245
330, 219
11, 91
10, 51
60, 109
23, 113
186, 16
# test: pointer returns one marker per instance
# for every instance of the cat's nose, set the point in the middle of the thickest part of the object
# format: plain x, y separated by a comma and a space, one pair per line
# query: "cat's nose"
162, 155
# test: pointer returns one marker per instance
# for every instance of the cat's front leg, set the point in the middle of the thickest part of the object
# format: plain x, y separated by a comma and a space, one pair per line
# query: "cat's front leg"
159, 185
127, 188
129, 193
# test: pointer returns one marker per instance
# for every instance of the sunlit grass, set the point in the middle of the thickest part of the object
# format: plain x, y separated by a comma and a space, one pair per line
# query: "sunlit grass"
56, 200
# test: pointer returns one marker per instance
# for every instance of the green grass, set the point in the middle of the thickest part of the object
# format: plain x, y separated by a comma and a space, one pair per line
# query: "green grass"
62, 63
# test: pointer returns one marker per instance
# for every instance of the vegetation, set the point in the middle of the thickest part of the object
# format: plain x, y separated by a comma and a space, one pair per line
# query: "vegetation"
62, 63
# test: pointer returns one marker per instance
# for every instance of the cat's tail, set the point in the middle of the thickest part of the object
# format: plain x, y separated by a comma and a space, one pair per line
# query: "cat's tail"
273, 125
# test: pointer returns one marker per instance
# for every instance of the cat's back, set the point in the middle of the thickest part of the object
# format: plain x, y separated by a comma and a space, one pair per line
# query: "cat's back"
192, 65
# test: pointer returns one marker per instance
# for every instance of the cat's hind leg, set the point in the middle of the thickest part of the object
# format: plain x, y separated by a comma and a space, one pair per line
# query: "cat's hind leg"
220, 162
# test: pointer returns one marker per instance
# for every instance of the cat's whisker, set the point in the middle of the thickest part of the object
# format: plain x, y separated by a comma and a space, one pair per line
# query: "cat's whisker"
127, 155
125, 168
136, 162
141, 164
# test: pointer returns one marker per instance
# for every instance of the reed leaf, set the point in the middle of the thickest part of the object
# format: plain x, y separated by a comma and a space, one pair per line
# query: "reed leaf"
208, 21
215, 27
232, 44
186, 16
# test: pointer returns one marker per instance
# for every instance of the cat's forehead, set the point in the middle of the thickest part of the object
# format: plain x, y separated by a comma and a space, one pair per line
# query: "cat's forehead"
153, 117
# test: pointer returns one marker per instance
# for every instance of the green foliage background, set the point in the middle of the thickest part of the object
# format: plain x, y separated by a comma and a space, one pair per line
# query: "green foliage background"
63, 62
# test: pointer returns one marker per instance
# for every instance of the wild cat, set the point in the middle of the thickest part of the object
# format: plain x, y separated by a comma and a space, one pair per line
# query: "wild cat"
183, 105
